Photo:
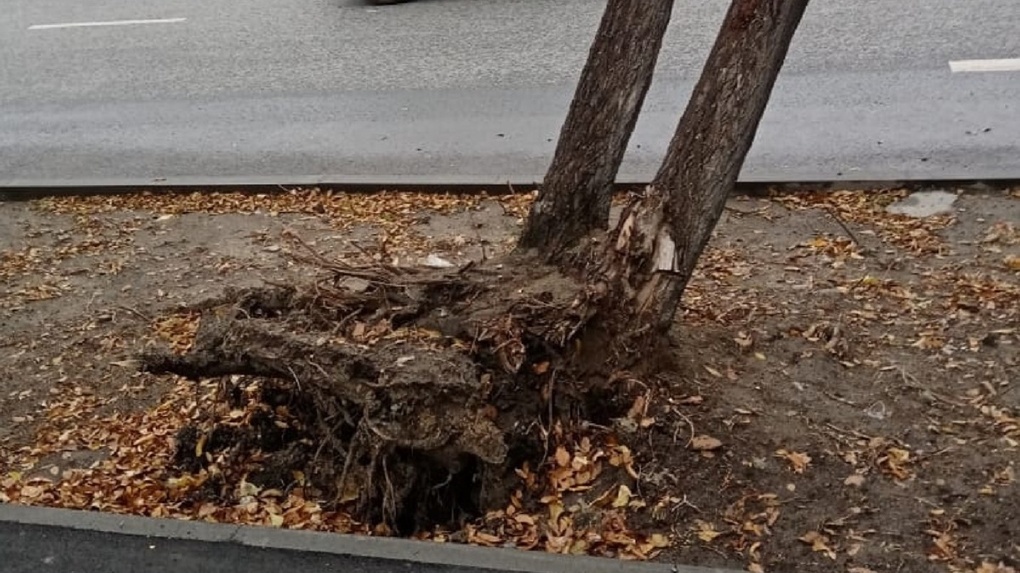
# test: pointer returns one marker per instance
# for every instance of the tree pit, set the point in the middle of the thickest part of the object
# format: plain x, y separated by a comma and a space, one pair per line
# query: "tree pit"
408, 397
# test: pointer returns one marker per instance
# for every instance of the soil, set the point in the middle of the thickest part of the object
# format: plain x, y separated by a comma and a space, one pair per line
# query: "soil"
841, 395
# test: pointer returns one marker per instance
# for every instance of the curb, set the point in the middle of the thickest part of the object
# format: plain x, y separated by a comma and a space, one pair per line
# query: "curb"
380, 549
27, 190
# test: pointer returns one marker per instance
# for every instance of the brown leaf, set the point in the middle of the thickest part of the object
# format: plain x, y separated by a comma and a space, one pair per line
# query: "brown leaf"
744, 341
638, 408
705, 531
895, 463
819, 543
705, 443
562, 457
944, 547
855, 480
799, 461
988, 567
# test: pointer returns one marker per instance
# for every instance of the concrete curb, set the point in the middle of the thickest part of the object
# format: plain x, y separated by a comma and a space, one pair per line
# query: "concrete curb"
14, 190
373, 548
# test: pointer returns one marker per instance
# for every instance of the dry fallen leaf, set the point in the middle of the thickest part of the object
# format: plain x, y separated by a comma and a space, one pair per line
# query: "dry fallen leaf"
705, 443
659, 540
799, 461
819, 543
988, 567
705, 531
944, 547
894, 462
855, 480
562, 457
638, 408
622, 497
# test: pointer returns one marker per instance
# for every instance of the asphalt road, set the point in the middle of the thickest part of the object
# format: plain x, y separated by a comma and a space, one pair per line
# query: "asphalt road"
475, 90
45, 539
33, 548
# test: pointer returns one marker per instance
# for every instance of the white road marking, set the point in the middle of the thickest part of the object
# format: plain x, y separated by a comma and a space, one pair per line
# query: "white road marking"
1004, 65
110, 23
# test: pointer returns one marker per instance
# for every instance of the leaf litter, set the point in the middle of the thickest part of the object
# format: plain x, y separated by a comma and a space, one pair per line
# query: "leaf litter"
885, 346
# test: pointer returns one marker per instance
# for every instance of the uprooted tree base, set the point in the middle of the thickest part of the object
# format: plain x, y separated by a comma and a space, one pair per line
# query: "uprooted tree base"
421, 390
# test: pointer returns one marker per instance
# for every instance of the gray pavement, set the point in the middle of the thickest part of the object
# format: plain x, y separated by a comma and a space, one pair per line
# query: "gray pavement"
41, 539
476, 90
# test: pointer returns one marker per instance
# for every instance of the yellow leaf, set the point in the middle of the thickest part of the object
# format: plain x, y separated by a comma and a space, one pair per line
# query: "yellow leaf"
32, 491
622, 497
1012, 262
200, 445
658, 540
706, 531
245, 489
579, 547
351, 492
555, 511
276, 520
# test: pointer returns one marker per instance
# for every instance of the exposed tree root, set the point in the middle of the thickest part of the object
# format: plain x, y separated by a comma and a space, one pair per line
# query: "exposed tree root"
421, 378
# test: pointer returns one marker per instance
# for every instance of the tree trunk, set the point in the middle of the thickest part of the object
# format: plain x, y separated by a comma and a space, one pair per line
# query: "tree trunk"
661, 235
575, 197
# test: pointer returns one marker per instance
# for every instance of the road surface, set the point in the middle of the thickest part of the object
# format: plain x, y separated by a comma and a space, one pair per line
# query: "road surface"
33, 548
36, 539
476, 90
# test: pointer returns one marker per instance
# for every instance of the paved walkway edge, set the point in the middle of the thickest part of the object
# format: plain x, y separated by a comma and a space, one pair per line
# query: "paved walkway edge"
378, 548
29, 190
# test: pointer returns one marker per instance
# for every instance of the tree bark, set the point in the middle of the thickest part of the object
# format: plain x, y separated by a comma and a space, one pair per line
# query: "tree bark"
660, 237
575, 197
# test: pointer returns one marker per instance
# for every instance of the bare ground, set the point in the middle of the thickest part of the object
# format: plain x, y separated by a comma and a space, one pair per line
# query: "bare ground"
843, 397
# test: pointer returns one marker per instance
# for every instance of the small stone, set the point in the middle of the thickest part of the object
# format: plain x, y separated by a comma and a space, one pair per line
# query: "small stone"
924, 204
